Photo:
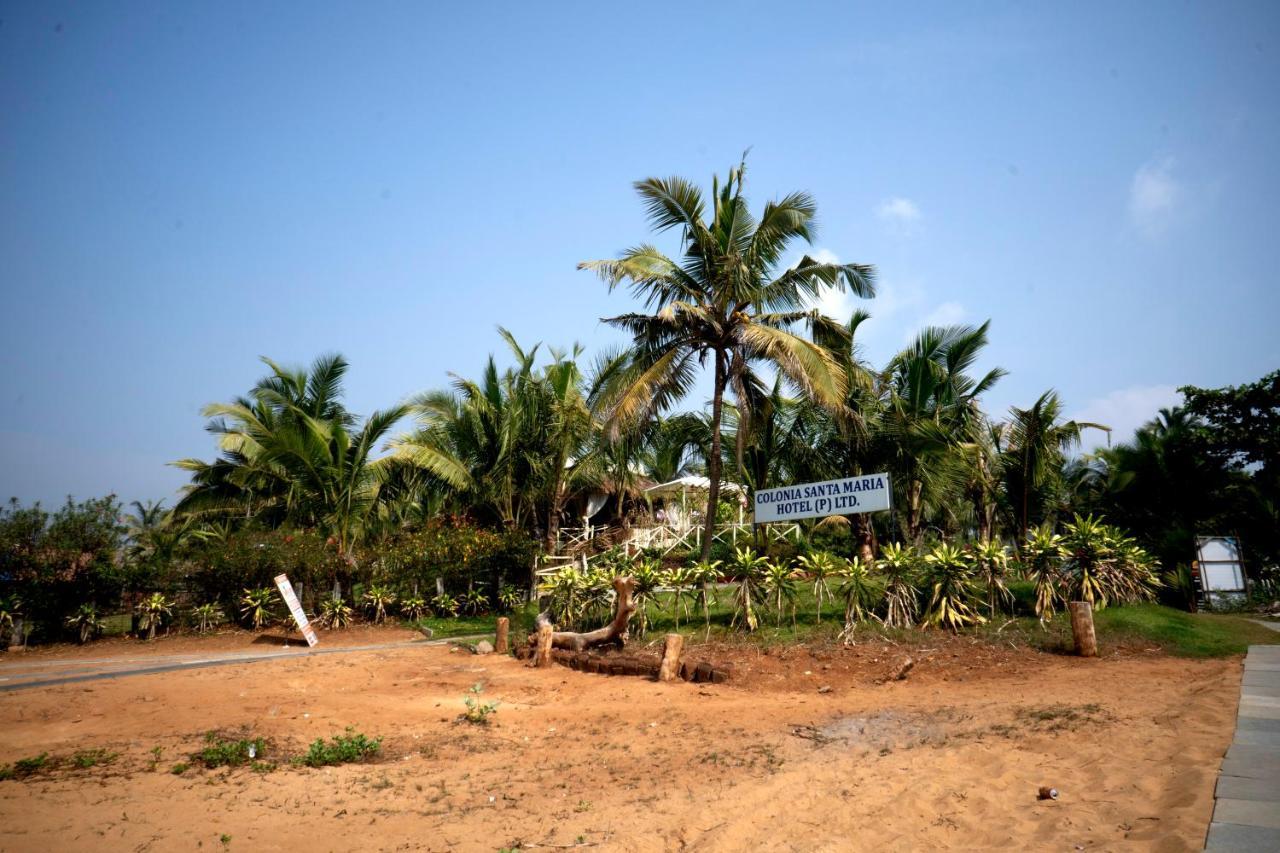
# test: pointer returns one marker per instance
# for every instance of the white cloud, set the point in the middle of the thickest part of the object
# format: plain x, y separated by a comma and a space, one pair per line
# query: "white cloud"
1154, 196
901, 211
1124, 411
946, 314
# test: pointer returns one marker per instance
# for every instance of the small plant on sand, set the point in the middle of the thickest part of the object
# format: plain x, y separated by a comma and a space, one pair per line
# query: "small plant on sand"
179, 768
255, 605
152, 611
376, 600
85, 623
477, 712
341, 749
24, 767
86, 758
206, 616
225, 752
335, 613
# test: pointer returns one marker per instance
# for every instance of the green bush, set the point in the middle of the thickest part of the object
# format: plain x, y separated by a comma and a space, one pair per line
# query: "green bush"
341, 749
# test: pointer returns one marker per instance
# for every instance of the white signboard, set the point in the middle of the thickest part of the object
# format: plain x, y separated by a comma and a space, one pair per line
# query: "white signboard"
295, 608
1220, 570
867, 493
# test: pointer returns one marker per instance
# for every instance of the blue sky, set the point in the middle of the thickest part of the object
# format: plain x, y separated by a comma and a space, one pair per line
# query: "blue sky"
186, 187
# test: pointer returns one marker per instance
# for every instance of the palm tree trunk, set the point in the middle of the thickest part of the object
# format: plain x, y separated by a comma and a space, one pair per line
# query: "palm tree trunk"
865, 536
915, 490
714, 463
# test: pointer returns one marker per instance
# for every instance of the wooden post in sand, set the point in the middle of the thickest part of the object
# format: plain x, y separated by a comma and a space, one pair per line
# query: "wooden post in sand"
1082, 628
542, 655
669, 670
500, 638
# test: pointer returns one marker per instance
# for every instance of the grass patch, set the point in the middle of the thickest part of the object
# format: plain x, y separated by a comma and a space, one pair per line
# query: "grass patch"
341, 749
1192, 635
462, 626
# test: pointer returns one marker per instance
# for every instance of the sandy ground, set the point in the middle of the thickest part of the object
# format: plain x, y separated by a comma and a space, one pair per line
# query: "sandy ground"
952, 757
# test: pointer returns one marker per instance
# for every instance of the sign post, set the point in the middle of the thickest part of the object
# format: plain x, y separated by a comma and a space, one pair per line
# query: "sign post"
846, 496
295, 609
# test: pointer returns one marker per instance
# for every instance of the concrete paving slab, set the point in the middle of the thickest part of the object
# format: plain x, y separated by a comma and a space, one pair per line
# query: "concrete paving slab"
1269, 691
1257, 738
1251, 769
1242, 839
1247, 813
1266, 667
1259, 709
1257, 724
1239, 788
1252, 752
1256, 675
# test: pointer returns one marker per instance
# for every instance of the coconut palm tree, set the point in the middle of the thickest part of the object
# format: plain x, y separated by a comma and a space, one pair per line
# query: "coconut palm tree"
727, 299
1036, 443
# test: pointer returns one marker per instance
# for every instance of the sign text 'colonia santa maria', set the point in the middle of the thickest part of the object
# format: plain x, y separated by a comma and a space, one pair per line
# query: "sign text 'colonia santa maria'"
867, 493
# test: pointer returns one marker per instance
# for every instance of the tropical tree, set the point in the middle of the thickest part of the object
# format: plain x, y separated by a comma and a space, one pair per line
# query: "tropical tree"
1036, 444
291, 452
727, 299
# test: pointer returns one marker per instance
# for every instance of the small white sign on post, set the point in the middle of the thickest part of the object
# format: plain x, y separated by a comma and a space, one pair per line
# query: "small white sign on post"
867, 493
295, 608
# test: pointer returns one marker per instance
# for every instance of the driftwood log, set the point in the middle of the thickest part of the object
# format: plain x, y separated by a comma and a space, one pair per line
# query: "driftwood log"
500, 635
613, 634
669, 670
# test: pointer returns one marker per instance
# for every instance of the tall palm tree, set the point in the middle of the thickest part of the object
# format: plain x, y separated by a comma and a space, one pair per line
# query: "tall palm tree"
292, 452
1036, 445
727, 299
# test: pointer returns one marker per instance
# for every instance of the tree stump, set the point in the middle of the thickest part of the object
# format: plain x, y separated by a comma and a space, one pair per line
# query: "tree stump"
542, 657
500, 638
1082, 628
670, 667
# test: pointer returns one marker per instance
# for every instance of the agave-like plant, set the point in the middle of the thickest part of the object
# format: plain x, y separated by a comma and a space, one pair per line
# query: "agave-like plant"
859, 591
648, 575
206, 615
377, 599
952, 589
335, 613
782, 584
1101, 565
992, 562
444, 604
510, 597
475, 602
85, 623
682, 581
819, 566
413, 607
1042, 565
255, 605
749, 571
705, 574
151, 612
897, 566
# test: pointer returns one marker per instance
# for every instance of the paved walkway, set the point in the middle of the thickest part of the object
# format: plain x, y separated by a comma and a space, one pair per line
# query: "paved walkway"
1246, 813
21, 674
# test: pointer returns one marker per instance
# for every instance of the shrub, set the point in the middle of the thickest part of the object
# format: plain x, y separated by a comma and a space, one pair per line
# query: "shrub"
151, 613
206, 616
224, 752
749, 571
341, 749
335, 613
377, 599
948, 577
85, 623
255, 606
897, 567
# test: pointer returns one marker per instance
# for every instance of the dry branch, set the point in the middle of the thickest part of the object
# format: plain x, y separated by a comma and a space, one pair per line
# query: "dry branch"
615, 633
